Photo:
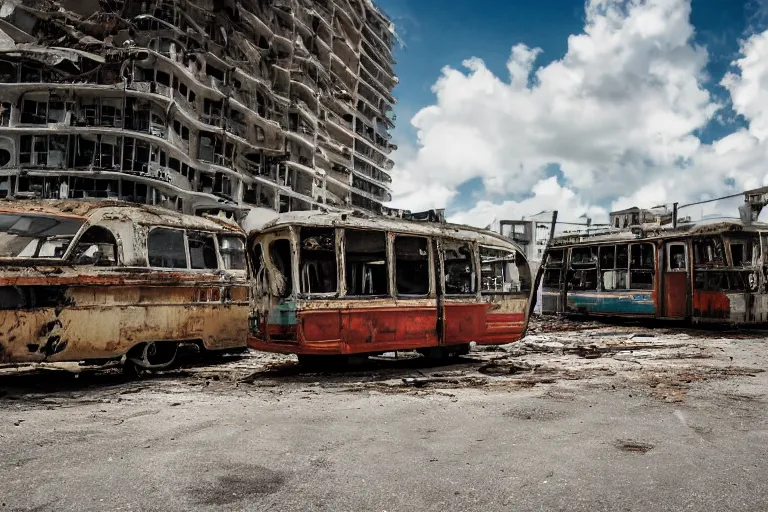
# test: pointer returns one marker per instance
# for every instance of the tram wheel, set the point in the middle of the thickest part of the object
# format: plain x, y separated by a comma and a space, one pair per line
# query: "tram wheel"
153, 355
448, 352
130, 370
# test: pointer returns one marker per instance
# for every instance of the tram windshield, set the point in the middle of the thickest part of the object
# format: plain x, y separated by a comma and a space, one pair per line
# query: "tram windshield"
36, 236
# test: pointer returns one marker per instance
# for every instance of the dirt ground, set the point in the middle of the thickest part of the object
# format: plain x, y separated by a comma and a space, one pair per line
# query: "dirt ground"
578, 416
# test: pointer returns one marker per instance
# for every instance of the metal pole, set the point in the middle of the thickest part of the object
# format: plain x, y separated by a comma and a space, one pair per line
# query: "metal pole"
674, 216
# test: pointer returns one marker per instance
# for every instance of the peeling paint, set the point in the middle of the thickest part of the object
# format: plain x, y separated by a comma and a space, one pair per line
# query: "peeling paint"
65, 310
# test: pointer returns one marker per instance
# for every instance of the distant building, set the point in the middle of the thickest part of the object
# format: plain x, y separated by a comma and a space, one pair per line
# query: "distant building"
532, 234
201, 106
633, 217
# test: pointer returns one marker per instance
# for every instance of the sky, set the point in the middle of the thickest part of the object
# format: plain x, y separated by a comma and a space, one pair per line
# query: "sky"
507, 108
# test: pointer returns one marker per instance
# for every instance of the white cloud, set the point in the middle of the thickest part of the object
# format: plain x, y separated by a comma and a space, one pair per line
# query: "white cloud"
548, 195
618, 114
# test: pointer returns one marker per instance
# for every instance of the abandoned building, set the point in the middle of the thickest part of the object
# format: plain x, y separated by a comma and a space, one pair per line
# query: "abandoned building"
246, 107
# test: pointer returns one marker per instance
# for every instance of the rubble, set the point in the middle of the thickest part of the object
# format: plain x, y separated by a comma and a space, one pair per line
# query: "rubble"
661, 364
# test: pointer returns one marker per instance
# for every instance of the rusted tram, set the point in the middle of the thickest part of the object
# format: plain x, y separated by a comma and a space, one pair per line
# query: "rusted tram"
705, 272
96, 282
330, 284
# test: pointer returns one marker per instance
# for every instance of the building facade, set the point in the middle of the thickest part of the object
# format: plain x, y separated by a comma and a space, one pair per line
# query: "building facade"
244, 108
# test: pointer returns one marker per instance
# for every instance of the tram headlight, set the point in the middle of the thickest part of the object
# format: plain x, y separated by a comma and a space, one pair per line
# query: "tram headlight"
752, 280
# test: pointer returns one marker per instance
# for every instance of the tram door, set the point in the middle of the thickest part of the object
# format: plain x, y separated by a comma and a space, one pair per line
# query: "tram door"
675, 282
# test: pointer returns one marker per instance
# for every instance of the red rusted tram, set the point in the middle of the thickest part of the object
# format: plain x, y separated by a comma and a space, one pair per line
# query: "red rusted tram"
712, 271
337, 284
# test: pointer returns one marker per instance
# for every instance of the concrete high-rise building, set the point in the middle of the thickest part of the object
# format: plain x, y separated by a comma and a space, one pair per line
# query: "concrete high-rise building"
243, 107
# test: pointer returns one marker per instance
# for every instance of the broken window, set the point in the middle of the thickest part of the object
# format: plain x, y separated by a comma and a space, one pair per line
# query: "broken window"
583, 269
8, 73
317, 260
31, 72
34, 112
84, 151
206, 147
57, 110
163, 78
33, 150
36, 236
676, 256
744, 251
89, 112
166, 248
135, 155
111, 116
212, 111
5, 113
554, 258
641, 266
97, 246
202, 251
365, 255
737, 254
614, 276
708, 251
411, 265
280, 256
181, 130
459, 266
214, 72
232, 250
498, 271
108, 156
553, 264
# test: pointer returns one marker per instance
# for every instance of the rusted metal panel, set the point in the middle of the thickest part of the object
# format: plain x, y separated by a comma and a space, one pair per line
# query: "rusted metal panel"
464, 321
675, 295
68, 312
711, 305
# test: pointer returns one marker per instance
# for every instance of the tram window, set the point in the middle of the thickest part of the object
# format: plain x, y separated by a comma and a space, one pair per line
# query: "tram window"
583, 271
622, 256
552, 278
584, 256
608, 257
613, 276
554, 258
708, 251
202, 251
676, 257
365, 255
280, 255
411, 265
165, 248
232, 250
583, 279
317, 260
642, 256
459, 265
641, 269
737, 254
97, 247
499, 272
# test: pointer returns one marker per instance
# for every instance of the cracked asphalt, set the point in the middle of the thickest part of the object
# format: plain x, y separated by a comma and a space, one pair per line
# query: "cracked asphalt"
576, 417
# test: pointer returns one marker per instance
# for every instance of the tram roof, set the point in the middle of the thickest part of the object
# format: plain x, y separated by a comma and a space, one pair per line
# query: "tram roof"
655, 231
347, 220
114, 210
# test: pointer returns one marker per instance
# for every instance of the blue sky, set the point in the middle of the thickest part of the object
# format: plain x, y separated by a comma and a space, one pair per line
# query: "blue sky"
436, 35
446, 33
